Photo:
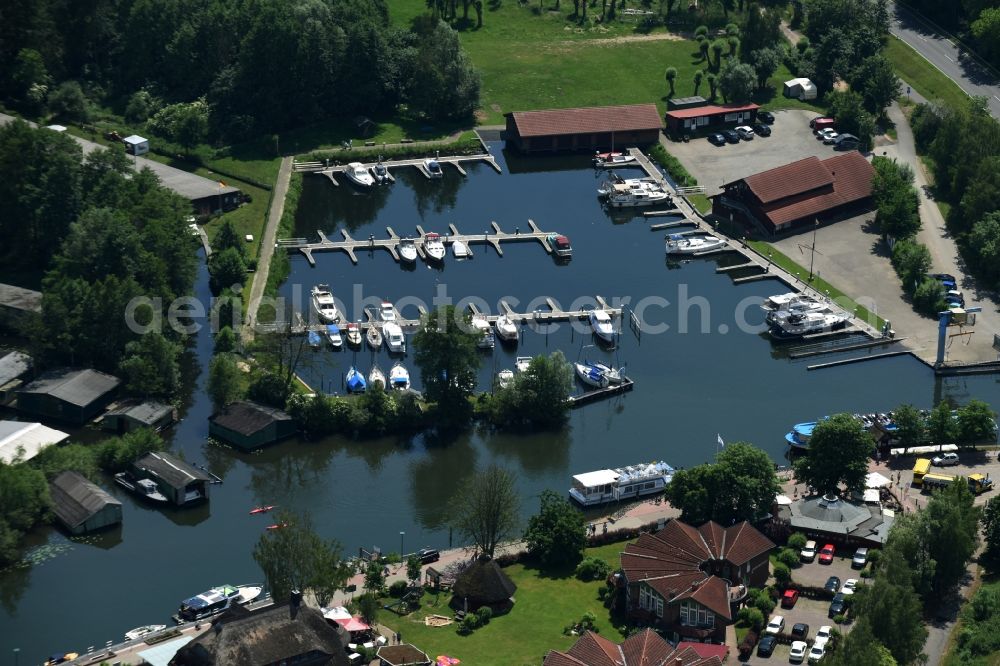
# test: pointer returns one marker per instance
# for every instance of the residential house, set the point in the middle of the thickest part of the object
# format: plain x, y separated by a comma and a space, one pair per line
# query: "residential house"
80, 506
71, 396
645, 648
181, 482
249, 425
689, 581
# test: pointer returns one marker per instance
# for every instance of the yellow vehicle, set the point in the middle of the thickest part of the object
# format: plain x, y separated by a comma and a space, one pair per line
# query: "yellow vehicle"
920, 468
978, 483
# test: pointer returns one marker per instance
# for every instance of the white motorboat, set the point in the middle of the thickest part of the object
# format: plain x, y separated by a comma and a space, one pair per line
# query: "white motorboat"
677, 244
399, 377
506, 329
590, 375
481, 325
611, 160
214, 601
380, 173
786, 301
505, 378
323, 303
797, 307
613, 375
407, 250
374, 337
386, 311
144, 488
608, 186
522, 363
376, 378
333, 336
394, 339
434, 246
625, 196
460, 249
797, 325
144, 630
560, 246
358, 174
355, 381
433, 168
623, 483
600, 322
354, 335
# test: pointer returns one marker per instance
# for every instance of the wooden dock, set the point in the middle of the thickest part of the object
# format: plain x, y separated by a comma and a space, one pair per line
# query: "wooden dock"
328, 170
599, 394
352, 245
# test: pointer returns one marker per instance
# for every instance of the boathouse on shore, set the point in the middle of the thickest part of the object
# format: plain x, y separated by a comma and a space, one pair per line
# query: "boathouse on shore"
249, 425
131, 415
181, 482
24, 441
583, 129
80, 506
72, 396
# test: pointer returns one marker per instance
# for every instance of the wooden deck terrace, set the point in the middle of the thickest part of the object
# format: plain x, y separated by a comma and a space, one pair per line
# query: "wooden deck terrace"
418, 163
351, 245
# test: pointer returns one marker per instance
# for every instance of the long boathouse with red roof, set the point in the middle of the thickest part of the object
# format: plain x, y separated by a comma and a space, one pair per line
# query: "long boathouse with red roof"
590, 128
799, 193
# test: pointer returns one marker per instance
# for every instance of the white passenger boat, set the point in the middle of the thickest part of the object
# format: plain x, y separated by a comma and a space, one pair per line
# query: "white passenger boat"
620, 484
590, 375
624, 196
785, 301
386, 311
323, 303
460, 250
358, 174
600, 322
394, 338
481, 325
506, 329
434, 246
797, 325
374, 337
333, 336
677, 244
399, 377
608, 187
214, 601
407, 250
376, 378
145, 630
505, 378
433, 168
798, 307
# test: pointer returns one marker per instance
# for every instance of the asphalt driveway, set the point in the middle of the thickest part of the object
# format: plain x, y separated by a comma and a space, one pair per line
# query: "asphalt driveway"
790, 140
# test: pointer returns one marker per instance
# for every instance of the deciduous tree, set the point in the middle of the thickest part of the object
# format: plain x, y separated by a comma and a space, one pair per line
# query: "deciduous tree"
976, 423
487, 509
538, 397
941, 425
555, 535
446, 354
295, 557
839, 450
151, 366
671, 76
736, 81
225, 380
911, 426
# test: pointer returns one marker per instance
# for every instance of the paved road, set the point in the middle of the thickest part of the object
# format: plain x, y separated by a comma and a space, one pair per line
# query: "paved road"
947, 55
267, 242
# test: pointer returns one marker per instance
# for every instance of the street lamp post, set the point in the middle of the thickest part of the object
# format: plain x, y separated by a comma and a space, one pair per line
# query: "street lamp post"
401, 551
17, 655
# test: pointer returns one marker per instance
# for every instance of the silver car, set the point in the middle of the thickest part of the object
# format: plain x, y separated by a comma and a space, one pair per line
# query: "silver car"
945, 459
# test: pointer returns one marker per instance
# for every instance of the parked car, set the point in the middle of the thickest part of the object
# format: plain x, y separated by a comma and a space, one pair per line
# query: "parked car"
816, 653
826, 554
832, 584
731, 136
850, 585
775, 626
800, 630
717, 139
766, 646
823, 634
860, 558
745, 132
798, 652
428, 555
954, 297
837, 606
822, 123
789, 598
808, 554
947, 279
945, 459
846, 142
765, 116
762, 130
829, 136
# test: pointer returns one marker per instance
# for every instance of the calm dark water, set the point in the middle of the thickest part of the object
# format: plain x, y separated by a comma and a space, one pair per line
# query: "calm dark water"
689, 387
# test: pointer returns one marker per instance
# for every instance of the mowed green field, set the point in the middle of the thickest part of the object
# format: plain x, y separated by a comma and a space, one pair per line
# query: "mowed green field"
925, 78
545, 60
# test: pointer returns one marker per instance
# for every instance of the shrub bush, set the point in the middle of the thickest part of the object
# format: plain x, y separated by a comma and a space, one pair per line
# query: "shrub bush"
782, 573
747, 644
764, 602
673, 167
752, 617
797, 541
788, 557
592, 568
484, 614
468, 624
397, 589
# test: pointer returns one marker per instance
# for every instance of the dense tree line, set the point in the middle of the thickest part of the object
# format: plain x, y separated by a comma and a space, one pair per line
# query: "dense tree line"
964, 146
234, 69
103, 235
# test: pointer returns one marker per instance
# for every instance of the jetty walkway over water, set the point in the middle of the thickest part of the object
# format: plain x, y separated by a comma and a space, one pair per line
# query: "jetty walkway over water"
418, 164
351, 245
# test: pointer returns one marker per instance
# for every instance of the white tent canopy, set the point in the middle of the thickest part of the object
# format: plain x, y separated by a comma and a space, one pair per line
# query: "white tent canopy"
876, 480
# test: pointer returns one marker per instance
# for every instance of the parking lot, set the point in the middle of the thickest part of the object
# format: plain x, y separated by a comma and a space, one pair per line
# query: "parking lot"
970, 461
790, 140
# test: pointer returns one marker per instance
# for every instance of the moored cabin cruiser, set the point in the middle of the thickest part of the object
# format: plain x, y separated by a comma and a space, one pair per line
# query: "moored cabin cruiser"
560, 246
407, 250
481, 325
353, 334
797, 325
359, 175
678, 244
394, 338
600, 322
380, 173
333, 336
323, 303
623, 483
433, 168
214, 601
434, 246
506, 329
786, 301
387, 312
796, 308
624, 196
399, 377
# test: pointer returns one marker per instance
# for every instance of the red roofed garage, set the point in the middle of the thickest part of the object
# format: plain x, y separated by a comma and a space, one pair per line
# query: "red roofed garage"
591, 128
798, 193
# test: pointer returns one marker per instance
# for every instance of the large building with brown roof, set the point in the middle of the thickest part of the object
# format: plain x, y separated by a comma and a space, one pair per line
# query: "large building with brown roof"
590, 128
799, 193
644, 648
689, 581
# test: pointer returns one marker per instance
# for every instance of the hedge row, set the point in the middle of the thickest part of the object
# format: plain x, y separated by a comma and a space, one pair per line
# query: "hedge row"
673, 166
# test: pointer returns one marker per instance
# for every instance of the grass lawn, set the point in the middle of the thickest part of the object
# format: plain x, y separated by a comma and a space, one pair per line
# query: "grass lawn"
545, 605
924, 77
701, 202
817, 283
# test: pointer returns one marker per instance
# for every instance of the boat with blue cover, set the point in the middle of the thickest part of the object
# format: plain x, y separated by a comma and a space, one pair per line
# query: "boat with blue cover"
315, 341
333, 336
356, 381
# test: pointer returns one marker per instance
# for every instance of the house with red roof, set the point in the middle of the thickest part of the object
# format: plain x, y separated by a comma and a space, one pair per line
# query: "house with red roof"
587, 128
799, 193
708, 117
645, 648
689, 581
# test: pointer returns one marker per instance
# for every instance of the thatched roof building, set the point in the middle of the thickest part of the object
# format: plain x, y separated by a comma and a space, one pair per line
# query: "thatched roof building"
483, 584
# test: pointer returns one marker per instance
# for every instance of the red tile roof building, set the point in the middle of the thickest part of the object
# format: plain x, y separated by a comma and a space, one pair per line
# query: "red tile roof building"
591, 128
689, 581
645, 648
799, 193
703, 118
